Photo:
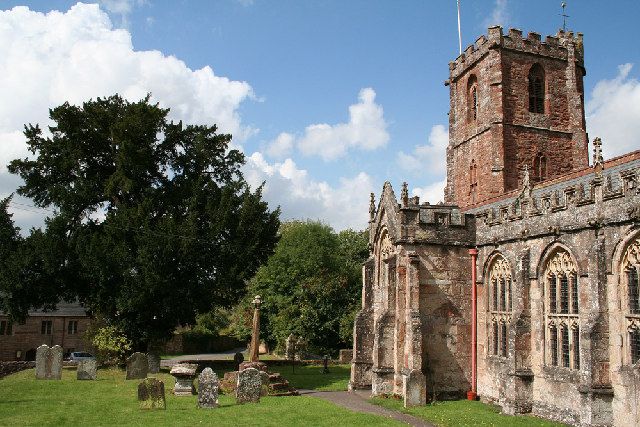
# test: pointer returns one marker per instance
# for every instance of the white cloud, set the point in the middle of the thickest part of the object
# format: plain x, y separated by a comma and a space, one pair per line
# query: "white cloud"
613, 113
499, 14
343, 206
432, 193
366, 130
47, 59
122, 8
281, 146
428, 159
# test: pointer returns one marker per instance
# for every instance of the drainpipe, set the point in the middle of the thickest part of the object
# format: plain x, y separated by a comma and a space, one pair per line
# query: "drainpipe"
472, 394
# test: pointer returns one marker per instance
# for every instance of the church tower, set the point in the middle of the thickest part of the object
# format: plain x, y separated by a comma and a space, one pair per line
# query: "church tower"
515, 103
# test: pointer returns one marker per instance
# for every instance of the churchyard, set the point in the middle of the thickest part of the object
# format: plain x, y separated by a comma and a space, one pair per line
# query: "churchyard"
111, 399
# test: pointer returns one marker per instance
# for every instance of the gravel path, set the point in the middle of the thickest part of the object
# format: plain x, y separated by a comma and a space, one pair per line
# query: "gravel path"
357, 401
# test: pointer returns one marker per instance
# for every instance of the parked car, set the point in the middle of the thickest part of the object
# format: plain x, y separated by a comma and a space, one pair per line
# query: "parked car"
80, 355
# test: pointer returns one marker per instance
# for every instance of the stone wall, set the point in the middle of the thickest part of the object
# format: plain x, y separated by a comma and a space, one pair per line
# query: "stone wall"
25, 338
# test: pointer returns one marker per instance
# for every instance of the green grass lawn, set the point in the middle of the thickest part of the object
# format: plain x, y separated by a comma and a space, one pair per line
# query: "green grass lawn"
462, 413
312, 378
111, 400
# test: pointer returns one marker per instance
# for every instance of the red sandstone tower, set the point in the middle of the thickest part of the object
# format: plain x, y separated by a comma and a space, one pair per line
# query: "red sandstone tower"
515, 103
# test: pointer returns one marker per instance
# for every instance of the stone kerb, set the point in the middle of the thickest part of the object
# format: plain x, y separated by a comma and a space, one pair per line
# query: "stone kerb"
137, 366
249, 386
87, 369
151, 394
49, 362
208, 389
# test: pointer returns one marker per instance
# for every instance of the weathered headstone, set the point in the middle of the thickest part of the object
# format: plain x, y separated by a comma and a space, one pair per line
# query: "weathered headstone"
208, 386
87, 369
249, 386
184, 373
414, 388
137, 366
264, 378
153, 360
49, 362
151, 394
238, 358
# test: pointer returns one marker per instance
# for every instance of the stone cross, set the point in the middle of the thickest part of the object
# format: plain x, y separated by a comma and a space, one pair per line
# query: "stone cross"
137, 366
208, 386
255, 335
87, 369
249, 386
151, 394
48, 362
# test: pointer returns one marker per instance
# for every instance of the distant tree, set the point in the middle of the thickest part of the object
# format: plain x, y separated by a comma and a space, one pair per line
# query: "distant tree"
153, 222
310, 286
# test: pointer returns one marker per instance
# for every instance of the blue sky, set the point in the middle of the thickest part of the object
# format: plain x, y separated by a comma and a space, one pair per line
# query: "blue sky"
328, 99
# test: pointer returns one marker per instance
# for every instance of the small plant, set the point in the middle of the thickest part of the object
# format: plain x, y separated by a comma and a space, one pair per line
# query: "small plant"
111, 344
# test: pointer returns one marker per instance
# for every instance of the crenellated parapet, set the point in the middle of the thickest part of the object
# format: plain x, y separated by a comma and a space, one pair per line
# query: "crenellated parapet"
590, 199
560, 46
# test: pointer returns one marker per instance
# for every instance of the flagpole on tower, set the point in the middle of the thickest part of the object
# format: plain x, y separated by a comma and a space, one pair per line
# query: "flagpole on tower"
459, 33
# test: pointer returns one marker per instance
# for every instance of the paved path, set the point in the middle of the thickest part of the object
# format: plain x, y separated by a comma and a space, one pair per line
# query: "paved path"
357, 401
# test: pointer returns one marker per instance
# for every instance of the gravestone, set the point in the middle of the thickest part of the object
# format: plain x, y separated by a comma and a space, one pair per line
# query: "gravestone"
137, 366
151, 394
153, 360
249, 386
208, 386
184, 373
48, 362
87, 369
238, 358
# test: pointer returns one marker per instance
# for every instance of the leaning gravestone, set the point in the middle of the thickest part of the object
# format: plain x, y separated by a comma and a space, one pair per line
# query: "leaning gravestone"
208, 386
86, 369
249, 386
137, 366
48, 362
153, 362
151, 394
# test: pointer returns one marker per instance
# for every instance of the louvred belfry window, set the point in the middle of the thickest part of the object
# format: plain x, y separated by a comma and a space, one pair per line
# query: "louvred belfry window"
536, 89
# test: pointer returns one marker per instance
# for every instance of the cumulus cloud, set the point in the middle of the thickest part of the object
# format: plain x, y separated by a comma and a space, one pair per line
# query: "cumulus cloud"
366, 130
121, 8
47, 59
428, 159
432, 193
281, 146
613, 113
301, 197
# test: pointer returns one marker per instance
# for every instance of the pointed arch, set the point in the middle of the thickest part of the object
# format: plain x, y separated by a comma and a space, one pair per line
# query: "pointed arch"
537, 89
627, 273
498, 276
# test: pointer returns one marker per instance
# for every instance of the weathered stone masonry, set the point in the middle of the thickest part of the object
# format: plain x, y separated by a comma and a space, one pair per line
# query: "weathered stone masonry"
558, 240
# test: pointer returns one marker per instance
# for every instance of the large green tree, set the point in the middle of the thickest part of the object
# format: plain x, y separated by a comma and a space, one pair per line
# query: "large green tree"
310, 286
153, 221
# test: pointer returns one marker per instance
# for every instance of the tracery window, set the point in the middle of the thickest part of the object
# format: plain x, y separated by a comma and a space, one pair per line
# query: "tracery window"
536, 89
472, 98
630, 277
500, 306
562, 310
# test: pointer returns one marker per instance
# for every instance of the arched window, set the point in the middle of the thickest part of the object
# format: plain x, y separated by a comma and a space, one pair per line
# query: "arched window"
473, 181
562, 309
472, 98
540, 167
536, 89
500, 306
630, 277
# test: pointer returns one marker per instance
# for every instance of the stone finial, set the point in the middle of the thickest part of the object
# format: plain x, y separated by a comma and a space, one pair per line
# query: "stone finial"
372, 207
404, 195
598, 159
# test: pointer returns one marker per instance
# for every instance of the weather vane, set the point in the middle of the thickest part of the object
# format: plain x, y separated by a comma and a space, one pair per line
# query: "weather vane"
564, 16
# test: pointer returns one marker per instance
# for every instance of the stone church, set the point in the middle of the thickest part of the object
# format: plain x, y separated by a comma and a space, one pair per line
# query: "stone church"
521, 289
